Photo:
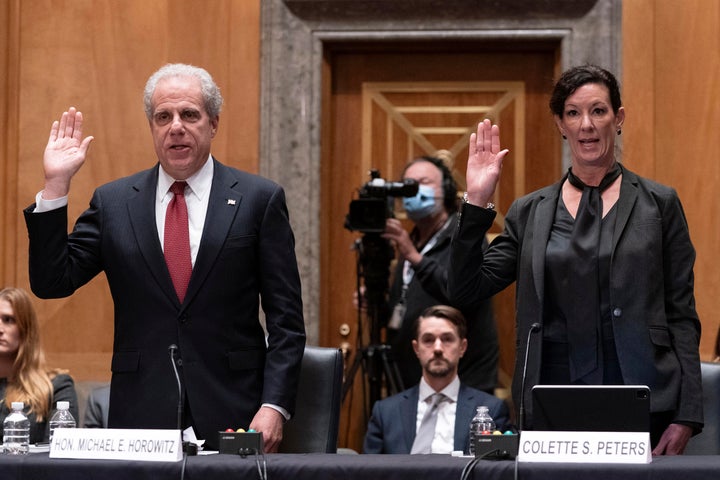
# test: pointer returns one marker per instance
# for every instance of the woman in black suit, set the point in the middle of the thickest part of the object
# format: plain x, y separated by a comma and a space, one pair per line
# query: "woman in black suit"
602, 261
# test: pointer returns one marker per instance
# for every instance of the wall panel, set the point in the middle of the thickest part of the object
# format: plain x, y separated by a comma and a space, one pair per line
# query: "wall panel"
9, 37
96, 55
672, 91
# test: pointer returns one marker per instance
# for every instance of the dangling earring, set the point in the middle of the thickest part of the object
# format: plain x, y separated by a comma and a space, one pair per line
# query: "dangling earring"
619, 131
564, 137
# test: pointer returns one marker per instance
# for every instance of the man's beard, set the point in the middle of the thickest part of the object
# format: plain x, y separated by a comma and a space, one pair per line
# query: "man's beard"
438, 367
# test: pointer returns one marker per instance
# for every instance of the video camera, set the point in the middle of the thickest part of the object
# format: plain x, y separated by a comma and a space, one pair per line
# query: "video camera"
368, 213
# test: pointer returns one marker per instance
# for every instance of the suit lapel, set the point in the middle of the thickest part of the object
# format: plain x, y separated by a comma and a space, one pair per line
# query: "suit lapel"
144, 226
223, 205
408, 414
464, 413
625, 204
542, 223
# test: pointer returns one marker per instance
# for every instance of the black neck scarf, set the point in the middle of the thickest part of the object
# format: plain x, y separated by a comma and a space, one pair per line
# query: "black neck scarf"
584, 322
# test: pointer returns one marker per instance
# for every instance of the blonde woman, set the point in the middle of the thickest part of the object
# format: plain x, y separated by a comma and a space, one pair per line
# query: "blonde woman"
24, 377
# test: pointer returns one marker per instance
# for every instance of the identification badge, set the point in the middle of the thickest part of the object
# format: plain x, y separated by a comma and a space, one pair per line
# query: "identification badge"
396, 320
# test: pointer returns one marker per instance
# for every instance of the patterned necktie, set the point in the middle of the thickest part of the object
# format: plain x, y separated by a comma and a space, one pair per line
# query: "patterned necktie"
426, 432
177, 240
584, 322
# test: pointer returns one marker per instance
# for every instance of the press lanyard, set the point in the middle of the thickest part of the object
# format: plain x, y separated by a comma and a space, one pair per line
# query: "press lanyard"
408, 271
398, 314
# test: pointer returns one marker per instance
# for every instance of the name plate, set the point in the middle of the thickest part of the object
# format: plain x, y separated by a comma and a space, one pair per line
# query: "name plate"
585, 447
117, 444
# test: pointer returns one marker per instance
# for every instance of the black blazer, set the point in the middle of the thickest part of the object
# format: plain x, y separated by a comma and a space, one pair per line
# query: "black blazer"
246, 255
392, 426
428, 287
657, 330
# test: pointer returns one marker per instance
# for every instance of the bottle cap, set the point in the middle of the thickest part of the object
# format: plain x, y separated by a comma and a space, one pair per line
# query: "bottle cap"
18, 405
63, 405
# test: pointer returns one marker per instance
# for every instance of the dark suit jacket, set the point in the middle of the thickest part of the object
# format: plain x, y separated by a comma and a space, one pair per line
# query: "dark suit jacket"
428, 287
393, 422
656, 327
246, 254
97, 407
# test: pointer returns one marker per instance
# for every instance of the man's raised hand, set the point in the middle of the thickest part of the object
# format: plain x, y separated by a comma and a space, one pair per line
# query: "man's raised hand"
64, 154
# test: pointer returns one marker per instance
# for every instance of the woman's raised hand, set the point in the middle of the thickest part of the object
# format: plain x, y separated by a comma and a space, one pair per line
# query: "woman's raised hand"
484, 163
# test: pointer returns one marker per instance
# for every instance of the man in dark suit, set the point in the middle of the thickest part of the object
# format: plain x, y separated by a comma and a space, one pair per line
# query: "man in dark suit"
242, 251
439, 343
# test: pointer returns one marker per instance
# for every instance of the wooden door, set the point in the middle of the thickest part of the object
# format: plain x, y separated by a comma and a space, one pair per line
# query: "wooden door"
384, 104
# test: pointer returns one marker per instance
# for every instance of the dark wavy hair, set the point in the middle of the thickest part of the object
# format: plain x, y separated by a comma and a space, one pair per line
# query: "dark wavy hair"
575, 78
452, 315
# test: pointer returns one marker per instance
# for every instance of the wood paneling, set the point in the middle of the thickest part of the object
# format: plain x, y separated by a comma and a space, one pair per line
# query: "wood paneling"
96, 55
671, 88
9, 37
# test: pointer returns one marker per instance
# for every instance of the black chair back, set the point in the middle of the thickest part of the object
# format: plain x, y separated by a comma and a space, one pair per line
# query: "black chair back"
708, 441
314, 426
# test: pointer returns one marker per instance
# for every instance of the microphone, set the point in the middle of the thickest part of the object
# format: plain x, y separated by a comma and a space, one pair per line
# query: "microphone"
506, 446
173, 349
188, 447
535, 327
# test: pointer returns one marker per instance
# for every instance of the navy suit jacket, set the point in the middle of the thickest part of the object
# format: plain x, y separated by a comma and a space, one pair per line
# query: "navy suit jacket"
651, 294
393, 423
246, 255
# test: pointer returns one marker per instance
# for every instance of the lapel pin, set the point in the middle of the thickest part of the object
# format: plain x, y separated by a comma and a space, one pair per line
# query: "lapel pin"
231, 201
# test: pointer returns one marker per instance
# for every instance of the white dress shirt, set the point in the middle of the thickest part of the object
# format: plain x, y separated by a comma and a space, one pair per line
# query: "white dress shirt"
444, 440
197, 194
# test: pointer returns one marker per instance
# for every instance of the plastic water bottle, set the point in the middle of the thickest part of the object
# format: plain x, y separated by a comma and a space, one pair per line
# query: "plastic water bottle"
62, 418
16, 431
481, 424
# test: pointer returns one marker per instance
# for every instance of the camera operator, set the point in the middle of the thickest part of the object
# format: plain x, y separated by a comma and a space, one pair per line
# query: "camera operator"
420, 276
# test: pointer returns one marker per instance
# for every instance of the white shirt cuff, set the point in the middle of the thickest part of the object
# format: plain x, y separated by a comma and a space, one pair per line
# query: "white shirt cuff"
282, 411
42, 205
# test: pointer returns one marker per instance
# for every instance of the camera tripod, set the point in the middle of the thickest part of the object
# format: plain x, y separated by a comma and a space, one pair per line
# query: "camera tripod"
376, 359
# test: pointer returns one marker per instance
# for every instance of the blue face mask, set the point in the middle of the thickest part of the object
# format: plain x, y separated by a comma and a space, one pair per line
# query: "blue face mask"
422, 204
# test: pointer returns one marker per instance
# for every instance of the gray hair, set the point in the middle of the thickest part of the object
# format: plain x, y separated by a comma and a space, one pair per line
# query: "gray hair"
208, 87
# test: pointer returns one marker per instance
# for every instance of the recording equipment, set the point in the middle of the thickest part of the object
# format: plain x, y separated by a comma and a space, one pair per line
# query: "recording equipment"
506, 446
244, 444
368, 213
241, 443
173, 349
535, 327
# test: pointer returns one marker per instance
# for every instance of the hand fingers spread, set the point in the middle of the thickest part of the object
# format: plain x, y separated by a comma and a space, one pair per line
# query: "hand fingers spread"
62, 125
85, 145
473, 144
485, 136
54, 131
70, 122
495, 139
77, 133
